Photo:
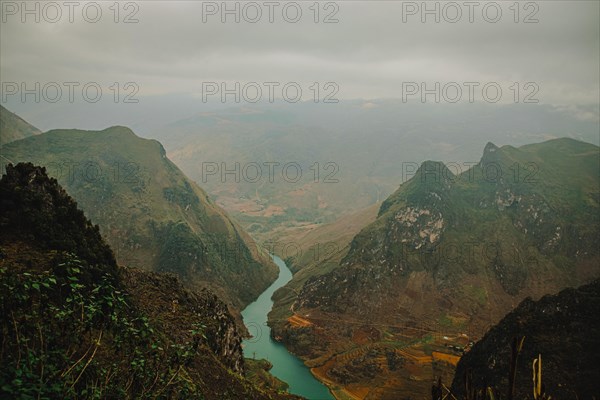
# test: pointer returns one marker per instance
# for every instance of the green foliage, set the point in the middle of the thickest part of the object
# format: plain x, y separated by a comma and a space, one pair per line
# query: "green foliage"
63, 338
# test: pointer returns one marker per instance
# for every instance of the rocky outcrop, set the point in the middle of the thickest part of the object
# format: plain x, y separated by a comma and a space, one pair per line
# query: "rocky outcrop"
164, 299
563, 328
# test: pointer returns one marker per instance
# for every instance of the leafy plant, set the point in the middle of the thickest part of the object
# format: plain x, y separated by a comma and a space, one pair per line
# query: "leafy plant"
58, 333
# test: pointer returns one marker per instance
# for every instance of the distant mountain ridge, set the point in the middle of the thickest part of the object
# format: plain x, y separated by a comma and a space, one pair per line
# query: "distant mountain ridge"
372, 145
535, 205
150, 213
451, 254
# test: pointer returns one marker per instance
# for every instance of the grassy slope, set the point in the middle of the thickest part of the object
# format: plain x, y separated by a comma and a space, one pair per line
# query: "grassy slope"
12, 127
152, 215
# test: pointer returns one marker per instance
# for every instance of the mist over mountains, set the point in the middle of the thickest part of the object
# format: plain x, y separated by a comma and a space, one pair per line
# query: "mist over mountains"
365, 149
537, 209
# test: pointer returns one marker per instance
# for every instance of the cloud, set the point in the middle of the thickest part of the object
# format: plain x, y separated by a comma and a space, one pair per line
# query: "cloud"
370, 52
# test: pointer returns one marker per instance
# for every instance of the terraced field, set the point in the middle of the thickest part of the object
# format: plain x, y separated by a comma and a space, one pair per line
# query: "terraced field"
409, 363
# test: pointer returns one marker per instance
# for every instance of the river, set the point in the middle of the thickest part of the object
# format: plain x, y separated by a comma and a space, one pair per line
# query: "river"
286, 366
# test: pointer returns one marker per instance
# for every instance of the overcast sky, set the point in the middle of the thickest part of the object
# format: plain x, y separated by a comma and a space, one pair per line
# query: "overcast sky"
369, 53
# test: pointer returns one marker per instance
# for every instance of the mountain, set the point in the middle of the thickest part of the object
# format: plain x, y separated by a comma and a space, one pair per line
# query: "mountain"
76, 325
351, 154
562, 328
448, 255
150, 213
12, 127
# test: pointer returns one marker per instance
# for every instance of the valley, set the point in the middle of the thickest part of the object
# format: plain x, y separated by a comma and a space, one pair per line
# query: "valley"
300, 200
383, 299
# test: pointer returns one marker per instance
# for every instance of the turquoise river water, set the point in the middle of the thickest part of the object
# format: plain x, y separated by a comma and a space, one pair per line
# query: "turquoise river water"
286, 366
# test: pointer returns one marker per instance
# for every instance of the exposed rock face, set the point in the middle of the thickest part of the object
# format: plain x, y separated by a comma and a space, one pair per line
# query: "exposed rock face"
563, 328
506, 232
